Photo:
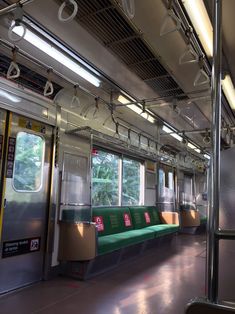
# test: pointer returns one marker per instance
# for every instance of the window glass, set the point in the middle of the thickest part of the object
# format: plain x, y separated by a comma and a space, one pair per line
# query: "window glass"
131, 182
28, 162
171, 180
105, 179
161, 182
75, 185
188, 185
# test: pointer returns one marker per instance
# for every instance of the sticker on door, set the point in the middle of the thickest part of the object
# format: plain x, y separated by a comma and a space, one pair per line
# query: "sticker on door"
19, 247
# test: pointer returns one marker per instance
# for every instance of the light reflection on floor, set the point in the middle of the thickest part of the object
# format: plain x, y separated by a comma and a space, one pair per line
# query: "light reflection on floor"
158, 282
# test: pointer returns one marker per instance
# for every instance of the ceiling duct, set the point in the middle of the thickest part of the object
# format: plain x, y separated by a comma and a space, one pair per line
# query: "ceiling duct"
103, 19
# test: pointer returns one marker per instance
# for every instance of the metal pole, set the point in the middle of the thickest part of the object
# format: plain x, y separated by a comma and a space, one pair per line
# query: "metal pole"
213, 244
14, 6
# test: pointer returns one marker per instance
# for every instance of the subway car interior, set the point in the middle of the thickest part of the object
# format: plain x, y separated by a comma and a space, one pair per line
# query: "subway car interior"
116, 156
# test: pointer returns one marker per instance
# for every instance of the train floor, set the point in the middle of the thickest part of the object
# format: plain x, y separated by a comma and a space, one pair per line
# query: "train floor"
159, 282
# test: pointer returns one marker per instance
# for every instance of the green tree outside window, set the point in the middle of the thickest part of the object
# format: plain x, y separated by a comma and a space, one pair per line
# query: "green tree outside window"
28, 162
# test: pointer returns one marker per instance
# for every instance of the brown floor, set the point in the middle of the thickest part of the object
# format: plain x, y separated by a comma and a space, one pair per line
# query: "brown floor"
158, 282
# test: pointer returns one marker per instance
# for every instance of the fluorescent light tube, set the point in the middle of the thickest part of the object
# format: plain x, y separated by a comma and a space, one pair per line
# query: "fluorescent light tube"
54, 53
123, 100
207, 156
201, 23
229, 90
166, 129
170, 132
190, 145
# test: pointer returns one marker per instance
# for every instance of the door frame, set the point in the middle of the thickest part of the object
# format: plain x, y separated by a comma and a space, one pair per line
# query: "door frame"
51, 198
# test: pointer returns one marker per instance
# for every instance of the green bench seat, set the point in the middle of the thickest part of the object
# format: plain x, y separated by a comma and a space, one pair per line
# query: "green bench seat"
163, 229
120, 227
115, 232
110, 243
203, 220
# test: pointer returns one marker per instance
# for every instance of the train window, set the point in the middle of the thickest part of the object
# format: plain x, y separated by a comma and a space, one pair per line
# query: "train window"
28, 167
75, 185
188, 185
105, 181
161, 182
130, 182
171, 180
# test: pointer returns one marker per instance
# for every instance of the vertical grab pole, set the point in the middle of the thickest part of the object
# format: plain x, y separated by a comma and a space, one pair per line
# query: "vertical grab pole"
213, 242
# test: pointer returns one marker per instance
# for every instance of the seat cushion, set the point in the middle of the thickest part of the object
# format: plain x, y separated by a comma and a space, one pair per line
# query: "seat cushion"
141, 217
163, 229
111, 220
110, 243
203, 220
154, 214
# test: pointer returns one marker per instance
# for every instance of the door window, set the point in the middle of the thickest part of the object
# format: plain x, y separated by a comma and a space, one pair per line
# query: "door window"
28, 167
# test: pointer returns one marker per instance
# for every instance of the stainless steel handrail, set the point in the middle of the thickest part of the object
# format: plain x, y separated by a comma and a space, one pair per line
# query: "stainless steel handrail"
74, 204
14, 6
213, 242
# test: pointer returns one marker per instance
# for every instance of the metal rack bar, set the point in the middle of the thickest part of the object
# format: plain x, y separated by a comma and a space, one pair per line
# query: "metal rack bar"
14, 6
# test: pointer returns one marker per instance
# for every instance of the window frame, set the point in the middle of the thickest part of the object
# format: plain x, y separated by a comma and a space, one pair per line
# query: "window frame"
122, 156
42, 165
119, 169
141, 181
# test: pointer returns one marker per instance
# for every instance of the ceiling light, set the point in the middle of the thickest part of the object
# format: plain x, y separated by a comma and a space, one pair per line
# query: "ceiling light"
54, 53
207, 156
201, 23
123, 100
170, 132
229, 91
190, 145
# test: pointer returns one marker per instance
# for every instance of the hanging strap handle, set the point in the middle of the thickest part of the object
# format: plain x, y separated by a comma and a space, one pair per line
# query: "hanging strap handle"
129, 8
189, 55
129, 136
13, 71
96, 107
18, 17
48, 89
62, 7
116, 134
201, 77
75, 102
170, 15
143, 106
139, 143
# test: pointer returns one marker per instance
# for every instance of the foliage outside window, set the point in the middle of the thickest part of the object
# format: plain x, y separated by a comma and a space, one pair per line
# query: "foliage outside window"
111, 186
105, 179
28, 165
161, 182
131, 182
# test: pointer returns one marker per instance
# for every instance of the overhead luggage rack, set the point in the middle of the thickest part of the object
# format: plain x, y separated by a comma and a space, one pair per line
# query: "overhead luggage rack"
104, 140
